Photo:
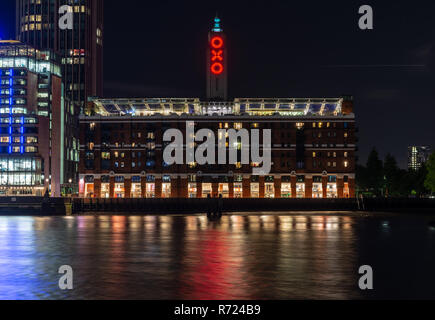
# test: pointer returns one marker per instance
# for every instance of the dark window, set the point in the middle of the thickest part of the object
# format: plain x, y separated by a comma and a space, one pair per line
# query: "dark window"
269, 179
317, 179
332, 179
301, 179
119, 179
105, 164
136, 179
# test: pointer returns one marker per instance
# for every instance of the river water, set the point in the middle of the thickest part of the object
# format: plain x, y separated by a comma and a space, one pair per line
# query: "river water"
297, 256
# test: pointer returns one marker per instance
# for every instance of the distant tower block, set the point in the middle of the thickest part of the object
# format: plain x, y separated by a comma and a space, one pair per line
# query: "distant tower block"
217, 67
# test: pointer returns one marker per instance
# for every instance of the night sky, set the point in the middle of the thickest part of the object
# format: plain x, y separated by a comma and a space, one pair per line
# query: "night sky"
282, 49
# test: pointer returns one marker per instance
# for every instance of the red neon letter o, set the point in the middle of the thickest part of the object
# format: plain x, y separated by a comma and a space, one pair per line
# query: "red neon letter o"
217, 42
217, 68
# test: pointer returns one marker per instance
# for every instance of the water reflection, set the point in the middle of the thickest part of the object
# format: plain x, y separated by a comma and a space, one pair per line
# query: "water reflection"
184, 257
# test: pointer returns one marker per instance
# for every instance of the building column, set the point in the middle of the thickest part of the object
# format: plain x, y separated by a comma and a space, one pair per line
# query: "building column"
199, 188
294, 180
309, 187
175, 184
215, 189
158, 190
352, 188
340, 188
112, 187
127, 188
143, 187
261, 181
246, 188
231, 187
183, 187
277, 182
97, 188
324, 187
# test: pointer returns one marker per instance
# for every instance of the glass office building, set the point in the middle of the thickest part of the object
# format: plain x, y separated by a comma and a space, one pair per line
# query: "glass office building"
38, 148
80, 49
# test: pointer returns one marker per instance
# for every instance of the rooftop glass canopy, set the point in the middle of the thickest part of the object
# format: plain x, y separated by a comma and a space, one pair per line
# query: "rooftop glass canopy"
194, 106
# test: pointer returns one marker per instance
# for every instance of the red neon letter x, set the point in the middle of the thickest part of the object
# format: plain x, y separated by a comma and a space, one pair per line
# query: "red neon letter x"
217, 55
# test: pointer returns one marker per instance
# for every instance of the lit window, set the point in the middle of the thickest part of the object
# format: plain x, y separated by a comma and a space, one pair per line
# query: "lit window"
238, 126
30, 140
300, 125
31, 149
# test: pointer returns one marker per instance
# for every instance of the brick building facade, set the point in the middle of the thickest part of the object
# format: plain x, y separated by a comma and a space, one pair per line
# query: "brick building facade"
313, 149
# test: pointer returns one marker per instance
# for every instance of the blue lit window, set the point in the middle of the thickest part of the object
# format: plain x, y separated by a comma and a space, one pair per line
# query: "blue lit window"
151, 163
136, 179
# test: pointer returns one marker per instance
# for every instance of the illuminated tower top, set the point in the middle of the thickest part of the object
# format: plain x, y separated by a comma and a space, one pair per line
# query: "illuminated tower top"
217, 72
217, 25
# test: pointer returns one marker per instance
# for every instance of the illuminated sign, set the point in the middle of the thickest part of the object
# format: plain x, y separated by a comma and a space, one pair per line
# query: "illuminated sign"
217, 42
217, 55
217, 68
